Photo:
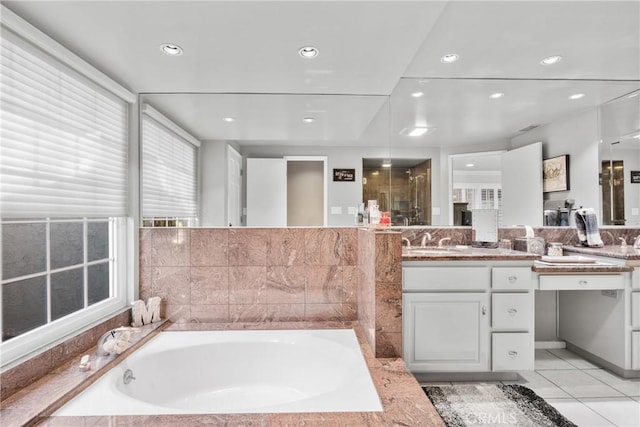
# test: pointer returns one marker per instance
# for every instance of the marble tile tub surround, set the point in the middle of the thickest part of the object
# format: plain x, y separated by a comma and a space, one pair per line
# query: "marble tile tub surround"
251, 274
20, 376
404, 402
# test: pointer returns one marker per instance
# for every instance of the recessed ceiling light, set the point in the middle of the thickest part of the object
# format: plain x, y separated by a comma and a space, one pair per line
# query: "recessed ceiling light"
308, 52
496, 95
577, 96
418, 131
229, 119
417, 94
308, 120
171, 49
550, 60
449, 58
469, 165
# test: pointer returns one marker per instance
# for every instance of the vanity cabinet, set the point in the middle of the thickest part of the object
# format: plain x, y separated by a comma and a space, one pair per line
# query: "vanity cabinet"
447, 331
467, 316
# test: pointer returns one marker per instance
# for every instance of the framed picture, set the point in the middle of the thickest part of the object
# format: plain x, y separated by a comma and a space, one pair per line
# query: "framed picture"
344, 175
555, 174
635, 177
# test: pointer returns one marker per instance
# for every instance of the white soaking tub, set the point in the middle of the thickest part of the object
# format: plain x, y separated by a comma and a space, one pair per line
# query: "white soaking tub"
257, 371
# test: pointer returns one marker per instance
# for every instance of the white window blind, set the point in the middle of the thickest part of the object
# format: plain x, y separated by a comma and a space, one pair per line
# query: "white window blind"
168, 170
63, 149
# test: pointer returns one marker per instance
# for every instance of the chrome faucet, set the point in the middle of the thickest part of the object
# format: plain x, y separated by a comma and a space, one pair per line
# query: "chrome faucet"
404, 239
99, 346
425, 238
441, 241
636, 243
623, 243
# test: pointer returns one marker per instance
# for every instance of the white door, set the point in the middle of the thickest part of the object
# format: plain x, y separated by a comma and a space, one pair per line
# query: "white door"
446, 332
266, 192
234, 187
522, 186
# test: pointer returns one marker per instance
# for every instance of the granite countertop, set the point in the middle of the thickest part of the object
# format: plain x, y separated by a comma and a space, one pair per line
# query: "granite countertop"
611, 251
593, 268
465, 254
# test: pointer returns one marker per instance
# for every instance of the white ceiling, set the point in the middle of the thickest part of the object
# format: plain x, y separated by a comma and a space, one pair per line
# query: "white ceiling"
243, 55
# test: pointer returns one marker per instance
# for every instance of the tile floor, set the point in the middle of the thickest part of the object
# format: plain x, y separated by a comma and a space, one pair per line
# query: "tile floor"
584, 393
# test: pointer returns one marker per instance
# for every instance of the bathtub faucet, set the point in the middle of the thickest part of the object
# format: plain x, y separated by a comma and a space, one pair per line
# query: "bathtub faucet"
114, 341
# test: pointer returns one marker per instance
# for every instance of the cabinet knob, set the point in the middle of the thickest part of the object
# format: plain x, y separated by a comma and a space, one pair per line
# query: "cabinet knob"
512, 311
513, 354
513, 279
582, 283
484, 310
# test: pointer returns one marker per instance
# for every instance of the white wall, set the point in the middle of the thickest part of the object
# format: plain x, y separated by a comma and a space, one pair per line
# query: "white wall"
349, 194
575, 135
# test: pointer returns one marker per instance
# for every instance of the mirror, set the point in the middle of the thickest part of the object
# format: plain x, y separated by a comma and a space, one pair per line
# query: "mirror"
350, 128
619, 123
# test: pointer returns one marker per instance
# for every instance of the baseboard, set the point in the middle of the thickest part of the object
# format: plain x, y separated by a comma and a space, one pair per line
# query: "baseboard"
624, 373
546, 345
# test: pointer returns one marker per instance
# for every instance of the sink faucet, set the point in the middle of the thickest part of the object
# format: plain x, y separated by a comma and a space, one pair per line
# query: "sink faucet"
636, 243
441, 241
425, 238
404, 239
623, 243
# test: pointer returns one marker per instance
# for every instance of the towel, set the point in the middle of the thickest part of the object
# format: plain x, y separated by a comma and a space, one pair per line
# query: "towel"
587, 227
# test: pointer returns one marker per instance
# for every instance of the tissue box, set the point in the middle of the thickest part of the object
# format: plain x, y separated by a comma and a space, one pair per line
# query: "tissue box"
534, 245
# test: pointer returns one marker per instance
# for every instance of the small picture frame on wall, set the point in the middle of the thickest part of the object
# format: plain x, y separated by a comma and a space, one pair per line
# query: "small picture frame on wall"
635, 177
555, 174
344, 175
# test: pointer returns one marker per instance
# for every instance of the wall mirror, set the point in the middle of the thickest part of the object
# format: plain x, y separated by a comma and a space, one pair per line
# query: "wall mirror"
619, 179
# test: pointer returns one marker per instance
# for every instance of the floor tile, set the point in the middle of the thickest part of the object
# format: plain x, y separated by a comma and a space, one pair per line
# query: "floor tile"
539, 384
578, 384
627, 386
546, 360
578, 413
572, 358
620, 411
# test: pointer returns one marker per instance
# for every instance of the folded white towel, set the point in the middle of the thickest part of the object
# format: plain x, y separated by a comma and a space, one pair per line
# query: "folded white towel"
587, 227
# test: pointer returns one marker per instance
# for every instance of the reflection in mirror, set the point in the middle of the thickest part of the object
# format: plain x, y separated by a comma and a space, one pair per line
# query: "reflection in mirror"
619, 123
476, 184
403, 189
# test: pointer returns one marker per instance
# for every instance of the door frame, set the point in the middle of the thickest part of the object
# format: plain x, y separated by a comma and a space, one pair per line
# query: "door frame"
325, 195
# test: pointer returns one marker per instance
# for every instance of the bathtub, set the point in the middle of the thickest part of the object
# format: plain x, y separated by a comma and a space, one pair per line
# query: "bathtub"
213, 372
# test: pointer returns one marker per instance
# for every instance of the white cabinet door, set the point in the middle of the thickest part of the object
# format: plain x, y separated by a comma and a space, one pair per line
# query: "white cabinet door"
446, 332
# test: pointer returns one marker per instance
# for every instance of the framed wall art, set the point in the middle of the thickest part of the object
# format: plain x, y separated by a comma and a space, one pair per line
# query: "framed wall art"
555, 174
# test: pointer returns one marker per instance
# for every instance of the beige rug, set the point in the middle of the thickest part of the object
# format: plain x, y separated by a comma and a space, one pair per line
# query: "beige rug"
493, 405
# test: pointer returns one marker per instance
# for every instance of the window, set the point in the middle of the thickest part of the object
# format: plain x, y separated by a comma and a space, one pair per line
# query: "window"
52, 268
169, 179
64, 191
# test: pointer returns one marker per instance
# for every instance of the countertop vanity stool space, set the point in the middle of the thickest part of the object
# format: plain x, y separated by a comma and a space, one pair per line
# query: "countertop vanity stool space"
599, 306
468, 314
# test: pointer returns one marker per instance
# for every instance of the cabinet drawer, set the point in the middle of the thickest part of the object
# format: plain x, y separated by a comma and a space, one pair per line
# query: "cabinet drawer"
511, 278
574, 282
445, 278
635, 309
512, 351
512, 311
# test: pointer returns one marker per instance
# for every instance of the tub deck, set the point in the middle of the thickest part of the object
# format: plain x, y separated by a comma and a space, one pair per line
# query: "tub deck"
403, 400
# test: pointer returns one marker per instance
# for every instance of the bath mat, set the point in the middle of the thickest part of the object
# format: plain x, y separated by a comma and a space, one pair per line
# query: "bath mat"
493, 404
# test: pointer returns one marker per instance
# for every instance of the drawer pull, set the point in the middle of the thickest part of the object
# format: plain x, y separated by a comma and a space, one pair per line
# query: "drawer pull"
513, 354
512, 311
513, 279
582, 283
484, 310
